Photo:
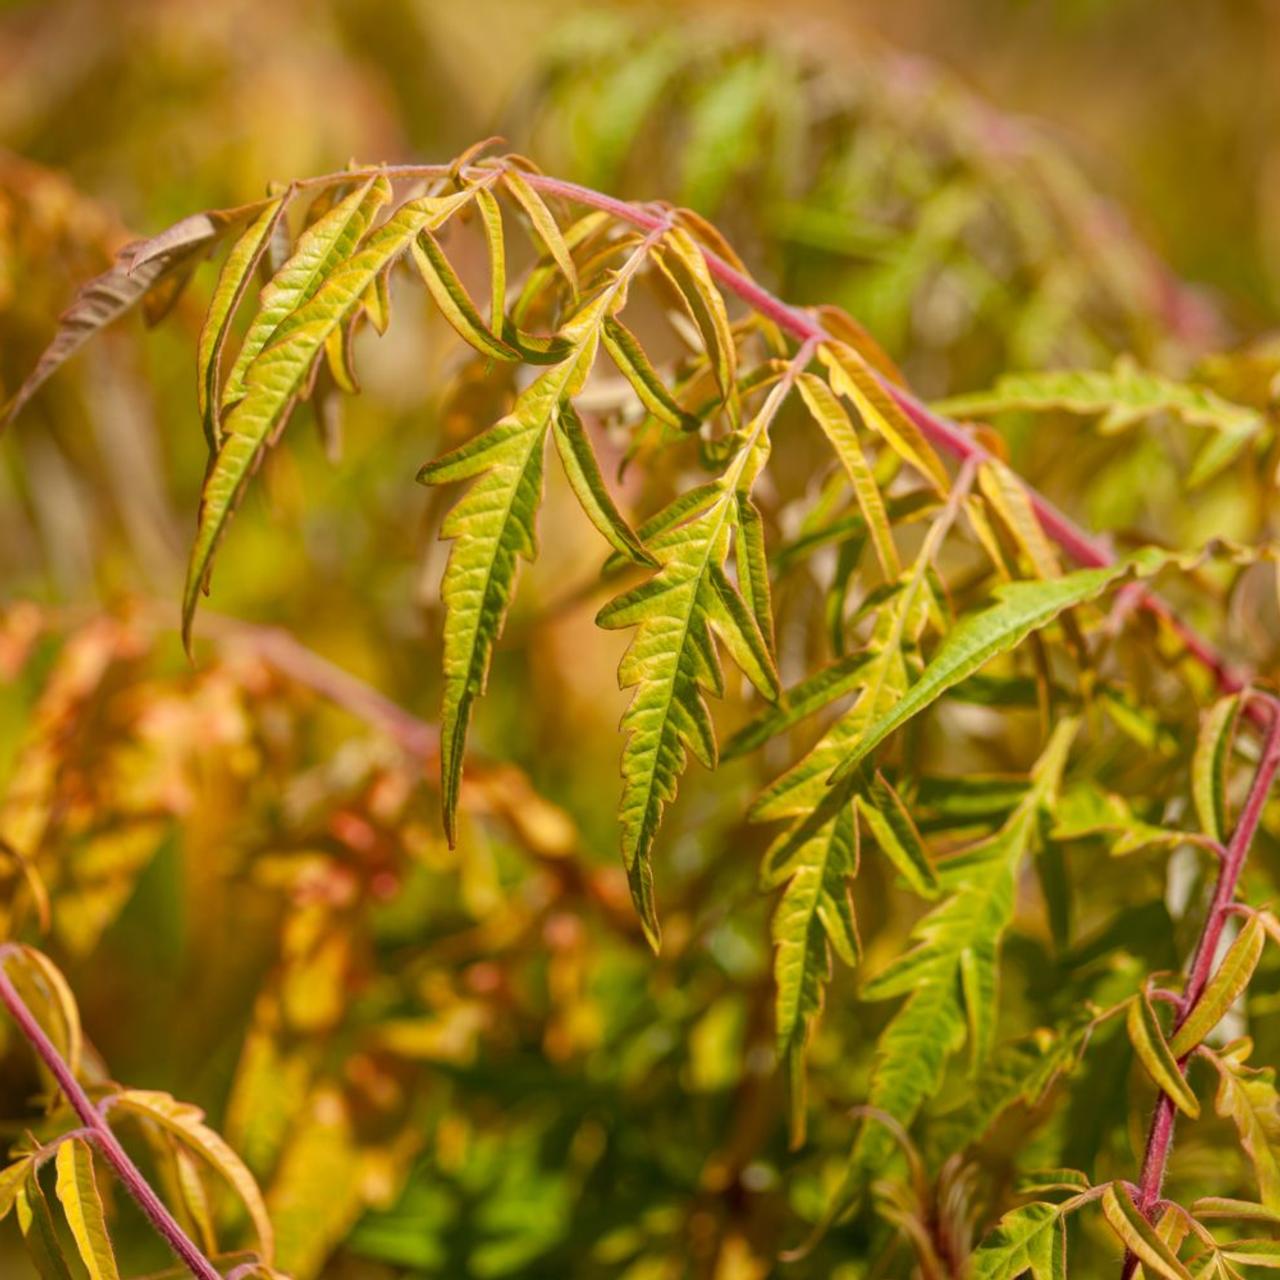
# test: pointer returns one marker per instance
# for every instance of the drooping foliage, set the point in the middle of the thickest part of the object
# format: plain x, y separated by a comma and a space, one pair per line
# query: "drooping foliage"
959, 731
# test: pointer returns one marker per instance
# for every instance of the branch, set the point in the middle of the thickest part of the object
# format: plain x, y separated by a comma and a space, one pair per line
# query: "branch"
941, 432
1160, 1137
948, 436
100, 1133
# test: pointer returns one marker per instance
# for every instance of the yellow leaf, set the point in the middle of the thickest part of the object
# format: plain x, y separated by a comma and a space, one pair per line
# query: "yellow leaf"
78, 1195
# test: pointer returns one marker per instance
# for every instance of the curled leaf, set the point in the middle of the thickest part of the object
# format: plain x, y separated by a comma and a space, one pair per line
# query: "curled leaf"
1139, 1236
1153, 1050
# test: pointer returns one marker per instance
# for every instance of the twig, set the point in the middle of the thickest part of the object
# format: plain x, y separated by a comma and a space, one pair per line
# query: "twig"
1160, 1137
100, 1133
944, 434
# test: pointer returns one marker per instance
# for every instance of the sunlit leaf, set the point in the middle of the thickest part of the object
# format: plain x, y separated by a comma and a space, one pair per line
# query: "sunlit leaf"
1139, 1236
833, 420
579, 461
1121, 397
276, 376
895, 834
453, 300
1008, 498
683, 261
186, 1124
326, 243
950, 977
1247, 1096
1228, 981
78, 1195
39, 1234
12, 1179
1030, 1241
1153, 1050
233, 281
814, 917
853, 378
1021, 608
1209, 766
633, 364
544, 224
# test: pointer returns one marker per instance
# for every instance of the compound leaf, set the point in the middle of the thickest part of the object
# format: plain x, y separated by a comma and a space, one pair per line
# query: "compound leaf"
277, 375
1030, 1240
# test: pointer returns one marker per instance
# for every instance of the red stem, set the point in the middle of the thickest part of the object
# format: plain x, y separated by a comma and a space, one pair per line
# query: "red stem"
944, 434
1160, 1137
941, 432
100, 1132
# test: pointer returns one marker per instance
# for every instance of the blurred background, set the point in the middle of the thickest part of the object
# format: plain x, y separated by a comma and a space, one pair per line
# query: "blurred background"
466, 1063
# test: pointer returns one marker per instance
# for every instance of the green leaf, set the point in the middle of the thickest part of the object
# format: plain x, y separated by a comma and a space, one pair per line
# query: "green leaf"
78, 1195
687, 269
882, 682
491, 220
1209, 766
233, 281
753, 568
591, 226
671, 660
186, 1123
1247, 1096
1254, 1253
1041, 1180
46, 993
1230, 979
329, 241
544, 224
195, 1197
492, 526
1220, 450
816, 859
1008, 498
588, 484
278, 374
1139, 1236
1209, 1208
896, 835
853, 378
1032, 1239
803, 792
1121, 397
1021, 608
1153, 1050
829, 414
739, 632
453, 300
1017, 1072
39, 1234
797, 703
11, 1181
633, 364
951, 975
